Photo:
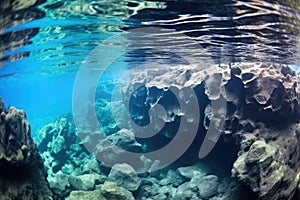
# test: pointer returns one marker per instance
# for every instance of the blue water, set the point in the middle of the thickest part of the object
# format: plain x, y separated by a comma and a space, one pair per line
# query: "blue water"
42, 83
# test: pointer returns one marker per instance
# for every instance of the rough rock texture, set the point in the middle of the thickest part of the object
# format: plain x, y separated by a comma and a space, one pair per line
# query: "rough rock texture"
111, 190
86, 195
208, 186
86, 181
125, 176
113, 148
68, 165
270, 165
245, 102
22, 174
261, 117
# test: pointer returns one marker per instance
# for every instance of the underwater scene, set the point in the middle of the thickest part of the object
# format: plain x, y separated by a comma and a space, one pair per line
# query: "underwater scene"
149, 99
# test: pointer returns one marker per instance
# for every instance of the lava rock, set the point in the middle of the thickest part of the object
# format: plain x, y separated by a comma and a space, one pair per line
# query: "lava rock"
22, 174
86, 181
125, 176
263, 168
111, 190
87, 195
174, 178
208, 186
190, 171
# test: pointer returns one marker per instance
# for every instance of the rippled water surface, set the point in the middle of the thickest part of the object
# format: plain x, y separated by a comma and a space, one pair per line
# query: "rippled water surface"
44, 43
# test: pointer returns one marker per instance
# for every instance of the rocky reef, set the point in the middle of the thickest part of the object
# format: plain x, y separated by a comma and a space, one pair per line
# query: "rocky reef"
74, 174
252, 108
255, 105
22, 173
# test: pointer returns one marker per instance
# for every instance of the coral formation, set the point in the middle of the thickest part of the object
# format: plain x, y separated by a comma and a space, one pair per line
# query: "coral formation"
22, 174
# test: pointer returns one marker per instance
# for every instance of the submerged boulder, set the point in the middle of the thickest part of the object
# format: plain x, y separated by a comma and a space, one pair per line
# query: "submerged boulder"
22, 174
111, 190
68, 164
86, 195
125, 176
269, 164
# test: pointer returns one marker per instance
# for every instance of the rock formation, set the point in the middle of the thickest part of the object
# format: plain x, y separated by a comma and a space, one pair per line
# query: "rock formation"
22, 174
261, 115
258, 115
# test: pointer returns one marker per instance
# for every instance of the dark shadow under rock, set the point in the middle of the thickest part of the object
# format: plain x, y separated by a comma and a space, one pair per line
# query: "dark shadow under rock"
22, 174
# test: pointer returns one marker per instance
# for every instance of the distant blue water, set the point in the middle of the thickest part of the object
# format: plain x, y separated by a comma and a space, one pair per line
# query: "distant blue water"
43, 98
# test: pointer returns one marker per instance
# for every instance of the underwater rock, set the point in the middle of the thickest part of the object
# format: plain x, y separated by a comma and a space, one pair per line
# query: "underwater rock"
59, 183
174, 178
255, 95
263, 92
125, 176
187, 191
111, 190
148, 188
109, 152
22, 174
190, 171
269, 92
86, 195
208, 186
265, 164
68, 164
16, 144
86, 181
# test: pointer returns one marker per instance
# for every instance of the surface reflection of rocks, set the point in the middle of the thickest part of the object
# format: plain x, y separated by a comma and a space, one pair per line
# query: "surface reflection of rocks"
13, 13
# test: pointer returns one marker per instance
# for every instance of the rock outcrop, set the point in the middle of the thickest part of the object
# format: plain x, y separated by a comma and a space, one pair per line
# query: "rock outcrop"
254, 104
253, 107
269, 162
68, 164
22, 174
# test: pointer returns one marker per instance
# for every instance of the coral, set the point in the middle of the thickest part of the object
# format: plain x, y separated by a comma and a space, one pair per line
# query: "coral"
22, 174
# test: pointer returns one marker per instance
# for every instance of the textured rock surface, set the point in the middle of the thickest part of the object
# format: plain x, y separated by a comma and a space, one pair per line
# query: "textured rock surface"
271, 91
208, 186
86, 181
261, 119
125, 176
269, 163
22, 174
256, 95
68, 165
111, 190
86, 195
113, 148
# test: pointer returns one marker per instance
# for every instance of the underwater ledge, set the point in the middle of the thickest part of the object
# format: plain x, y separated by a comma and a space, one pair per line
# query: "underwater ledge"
262, 121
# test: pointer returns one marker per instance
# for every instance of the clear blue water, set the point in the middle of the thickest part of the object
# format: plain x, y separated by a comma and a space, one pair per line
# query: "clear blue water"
42, 82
